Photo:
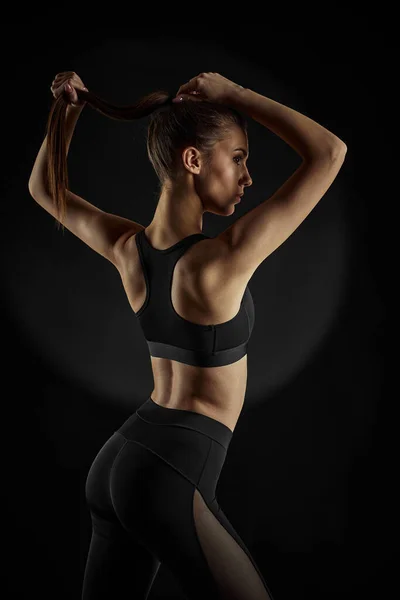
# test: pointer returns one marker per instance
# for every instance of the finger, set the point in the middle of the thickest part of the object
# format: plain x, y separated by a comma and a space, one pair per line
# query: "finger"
58, 81
187, 97
58, 86
68, 86
66, 74
188, 87
63, 76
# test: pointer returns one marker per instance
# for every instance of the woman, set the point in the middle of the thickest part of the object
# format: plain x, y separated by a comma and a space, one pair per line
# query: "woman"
151, 489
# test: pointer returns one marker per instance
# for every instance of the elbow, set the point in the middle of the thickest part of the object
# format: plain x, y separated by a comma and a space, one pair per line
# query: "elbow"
30, 188
339, 150
33, 189
336, 151
331, 150
337, 147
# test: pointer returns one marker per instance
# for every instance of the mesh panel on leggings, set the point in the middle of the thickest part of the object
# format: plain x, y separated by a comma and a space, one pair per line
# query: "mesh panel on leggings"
232, 569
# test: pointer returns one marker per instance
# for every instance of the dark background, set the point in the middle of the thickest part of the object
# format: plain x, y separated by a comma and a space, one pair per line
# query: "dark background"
309, 478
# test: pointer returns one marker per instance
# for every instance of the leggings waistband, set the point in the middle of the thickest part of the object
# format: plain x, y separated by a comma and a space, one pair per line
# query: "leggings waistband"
154, 413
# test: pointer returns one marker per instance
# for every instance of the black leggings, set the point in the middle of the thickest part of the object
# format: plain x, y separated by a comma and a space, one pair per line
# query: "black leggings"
151, 495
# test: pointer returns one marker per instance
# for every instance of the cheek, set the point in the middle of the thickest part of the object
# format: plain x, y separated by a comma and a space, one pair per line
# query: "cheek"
225, 176
219, 182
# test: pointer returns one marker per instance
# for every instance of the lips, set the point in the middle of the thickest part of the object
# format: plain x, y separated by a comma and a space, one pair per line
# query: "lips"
239, 196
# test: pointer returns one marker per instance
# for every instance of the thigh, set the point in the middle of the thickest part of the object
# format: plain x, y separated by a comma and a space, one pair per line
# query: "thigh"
117, 566
169, 516
116, 562
230, 562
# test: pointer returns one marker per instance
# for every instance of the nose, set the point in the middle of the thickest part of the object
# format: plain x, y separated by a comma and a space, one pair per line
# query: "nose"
247, 181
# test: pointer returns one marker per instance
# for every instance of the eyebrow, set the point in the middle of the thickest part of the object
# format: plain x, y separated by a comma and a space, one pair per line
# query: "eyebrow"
243, 150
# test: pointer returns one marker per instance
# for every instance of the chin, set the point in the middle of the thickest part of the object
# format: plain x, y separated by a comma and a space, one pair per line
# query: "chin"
224, 210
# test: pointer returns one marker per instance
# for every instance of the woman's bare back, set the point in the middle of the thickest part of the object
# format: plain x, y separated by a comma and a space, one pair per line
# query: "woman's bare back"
201, 294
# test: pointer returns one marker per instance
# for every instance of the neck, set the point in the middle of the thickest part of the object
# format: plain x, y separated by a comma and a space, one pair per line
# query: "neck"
176, 217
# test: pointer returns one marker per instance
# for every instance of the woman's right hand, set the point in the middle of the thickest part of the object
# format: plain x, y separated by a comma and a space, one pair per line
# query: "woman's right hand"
60, 85
208, 86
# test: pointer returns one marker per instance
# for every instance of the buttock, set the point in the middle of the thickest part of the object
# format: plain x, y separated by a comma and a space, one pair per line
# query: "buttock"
191, 443
153, 487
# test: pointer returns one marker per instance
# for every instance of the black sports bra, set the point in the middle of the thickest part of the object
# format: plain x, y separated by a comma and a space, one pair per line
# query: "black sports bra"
169, 335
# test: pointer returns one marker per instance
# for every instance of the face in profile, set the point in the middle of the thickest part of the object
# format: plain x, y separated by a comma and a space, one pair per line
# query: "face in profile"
227, 175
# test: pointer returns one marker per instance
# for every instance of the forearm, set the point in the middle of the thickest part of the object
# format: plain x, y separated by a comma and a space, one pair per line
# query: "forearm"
38, 178
305, 136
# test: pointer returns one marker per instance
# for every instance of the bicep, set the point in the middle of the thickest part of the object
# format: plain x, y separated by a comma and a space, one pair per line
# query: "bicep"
255, 235
103, 232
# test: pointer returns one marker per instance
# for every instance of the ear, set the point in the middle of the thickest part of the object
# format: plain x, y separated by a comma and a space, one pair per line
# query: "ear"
191, 159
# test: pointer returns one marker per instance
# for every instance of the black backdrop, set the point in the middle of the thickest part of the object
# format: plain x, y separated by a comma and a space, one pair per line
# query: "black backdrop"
318, 521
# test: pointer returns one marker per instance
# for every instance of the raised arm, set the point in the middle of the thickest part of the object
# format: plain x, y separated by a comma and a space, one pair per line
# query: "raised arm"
104, 232
255, 235
305, 136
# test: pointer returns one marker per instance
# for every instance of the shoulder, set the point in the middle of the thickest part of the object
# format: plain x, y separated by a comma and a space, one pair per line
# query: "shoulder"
126, 246
208, 251
207, 262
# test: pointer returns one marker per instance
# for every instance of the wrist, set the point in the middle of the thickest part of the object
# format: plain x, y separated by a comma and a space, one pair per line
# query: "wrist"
236, 94
75, 109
